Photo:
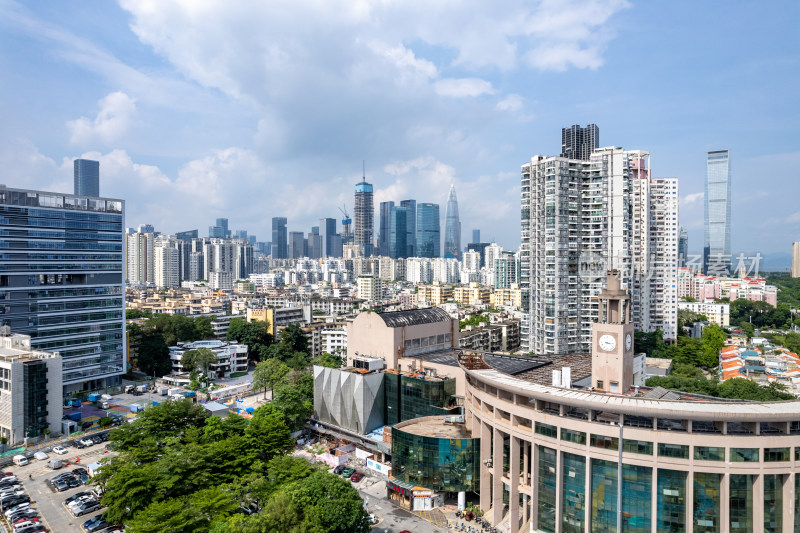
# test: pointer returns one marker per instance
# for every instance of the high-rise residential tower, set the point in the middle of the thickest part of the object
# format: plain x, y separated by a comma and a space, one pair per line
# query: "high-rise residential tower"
63, 284
411, 227
582, 218
363, 217
683, 247
428, 232
796, 259
86, 177
578, 142
452, 226
280, 242
717, 246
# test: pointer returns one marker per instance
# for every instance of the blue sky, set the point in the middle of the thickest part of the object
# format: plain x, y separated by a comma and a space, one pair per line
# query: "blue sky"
200, 110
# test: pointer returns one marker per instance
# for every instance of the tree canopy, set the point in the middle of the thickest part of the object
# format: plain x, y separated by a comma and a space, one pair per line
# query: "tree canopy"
180, 470
256, 335
200, 359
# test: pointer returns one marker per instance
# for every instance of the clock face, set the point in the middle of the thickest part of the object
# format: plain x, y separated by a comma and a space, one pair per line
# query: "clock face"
628, 341
607, 343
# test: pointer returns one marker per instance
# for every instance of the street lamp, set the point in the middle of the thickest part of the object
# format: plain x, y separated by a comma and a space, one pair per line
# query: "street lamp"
619, 480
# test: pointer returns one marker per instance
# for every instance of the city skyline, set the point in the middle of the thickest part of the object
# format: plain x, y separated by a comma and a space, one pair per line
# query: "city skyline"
461, 104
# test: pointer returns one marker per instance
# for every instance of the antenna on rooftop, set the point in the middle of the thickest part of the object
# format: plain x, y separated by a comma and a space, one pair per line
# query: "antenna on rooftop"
364, 169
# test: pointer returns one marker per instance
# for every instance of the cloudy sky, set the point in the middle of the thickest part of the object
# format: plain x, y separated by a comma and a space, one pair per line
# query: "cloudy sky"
250, 110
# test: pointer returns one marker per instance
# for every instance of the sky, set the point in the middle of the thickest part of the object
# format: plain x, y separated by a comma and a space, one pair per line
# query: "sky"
250, 110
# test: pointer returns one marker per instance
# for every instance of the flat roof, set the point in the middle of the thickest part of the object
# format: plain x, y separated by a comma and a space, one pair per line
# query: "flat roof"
434, 426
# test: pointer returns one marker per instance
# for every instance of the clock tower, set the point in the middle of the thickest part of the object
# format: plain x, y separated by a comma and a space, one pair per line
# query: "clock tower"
612, 339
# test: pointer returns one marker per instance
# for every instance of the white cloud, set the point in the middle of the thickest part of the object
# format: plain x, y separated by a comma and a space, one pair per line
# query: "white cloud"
511, 103
111, 123
692, 198
463, 87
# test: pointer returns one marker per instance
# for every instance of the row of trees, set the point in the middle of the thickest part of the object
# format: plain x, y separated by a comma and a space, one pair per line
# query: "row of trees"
762, 314
179, 470
151, 341
688, 378
696, 352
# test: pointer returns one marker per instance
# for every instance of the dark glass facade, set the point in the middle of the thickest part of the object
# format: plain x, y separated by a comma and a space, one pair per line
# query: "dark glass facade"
61, 280
35, 405
546, 470
428, 230
436, 463
410, 397
671, 501
573, 494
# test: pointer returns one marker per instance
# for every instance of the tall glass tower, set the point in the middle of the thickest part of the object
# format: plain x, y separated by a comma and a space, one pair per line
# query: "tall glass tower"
428, 234
452, 226
398, 246
280, 244
717, 246
411, 227
86, 177
364, 217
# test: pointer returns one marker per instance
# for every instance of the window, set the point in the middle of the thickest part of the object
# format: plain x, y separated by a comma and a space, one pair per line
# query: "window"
709, 453
578, 437
601, 441
637, 446
772, 455
744, 455
678, 451
547, 430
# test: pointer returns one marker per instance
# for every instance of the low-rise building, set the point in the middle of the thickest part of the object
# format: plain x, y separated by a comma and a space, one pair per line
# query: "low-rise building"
231, 356
719, 314
30, 390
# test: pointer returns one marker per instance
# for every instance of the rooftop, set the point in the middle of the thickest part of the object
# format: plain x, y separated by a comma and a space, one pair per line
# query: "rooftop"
435, 426
415, 317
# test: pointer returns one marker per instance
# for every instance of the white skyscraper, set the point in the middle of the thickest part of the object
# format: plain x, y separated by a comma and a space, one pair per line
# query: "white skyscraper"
580, 219
139, 258
166, 266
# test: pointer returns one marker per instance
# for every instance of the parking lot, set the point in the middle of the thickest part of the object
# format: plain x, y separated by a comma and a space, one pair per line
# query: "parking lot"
36, 477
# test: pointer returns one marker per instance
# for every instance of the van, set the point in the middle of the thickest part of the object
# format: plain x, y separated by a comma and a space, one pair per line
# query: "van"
20, 460
40, 456
104, 405
107, 397
55, 464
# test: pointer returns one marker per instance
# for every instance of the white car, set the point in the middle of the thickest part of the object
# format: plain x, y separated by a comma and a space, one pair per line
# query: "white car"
87, 442
60, 450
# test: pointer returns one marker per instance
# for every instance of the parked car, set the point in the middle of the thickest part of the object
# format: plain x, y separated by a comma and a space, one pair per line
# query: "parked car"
37, 528
17, 508
95, 524
60, 450
87, 441
12, 501
79, 444
25, 512
60, 477
86, 508
73, 506
77, 496
61, 485
356, 477
338, 469
347, 472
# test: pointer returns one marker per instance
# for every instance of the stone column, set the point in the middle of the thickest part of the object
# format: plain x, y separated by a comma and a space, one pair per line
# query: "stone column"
513, 483
486, 454
497, 481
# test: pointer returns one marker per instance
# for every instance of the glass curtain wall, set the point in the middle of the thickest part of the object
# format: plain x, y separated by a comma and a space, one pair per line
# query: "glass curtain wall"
604, 496
741, 503
671, 501
573, 493
773, 503
547, 489
637, 485
706, 502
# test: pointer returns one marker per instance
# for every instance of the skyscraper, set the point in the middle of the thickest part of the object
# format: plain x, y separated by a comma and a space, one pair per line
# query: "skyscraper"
280, 243
384, 224
717, 246
411, 226
452, 226
582, 218
329, 238
187, 235
364, 217
796, 259
397, 233
315, 243
476, 235
86, 177
683, 247
65, 287
578, 143
428, 233
297, 245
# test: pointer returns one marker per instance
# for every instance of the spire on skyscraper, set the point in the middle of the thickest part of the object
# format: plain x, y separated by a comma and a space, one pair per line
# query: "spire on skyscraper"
452, 226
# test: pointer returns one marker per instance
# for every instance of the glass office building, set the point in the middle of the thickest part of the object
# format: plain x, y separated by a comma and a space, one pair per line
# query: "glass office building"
61, 281
428, 232
86, 177
398, 246
717, 246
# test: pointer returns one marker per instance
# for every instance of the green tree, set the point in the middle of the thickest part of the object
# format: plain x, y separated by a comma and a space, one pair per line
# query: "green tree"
267, 432
268, 374
254, 334
200, 359
329, 360
295, 338
747, 329
329, 503
153, 353
133, 314
294, 405
713, 340
169, 516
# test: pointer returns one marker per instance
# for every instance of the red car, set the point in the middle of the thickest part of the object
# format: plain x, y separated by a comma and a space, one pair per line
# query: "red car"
355, 478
